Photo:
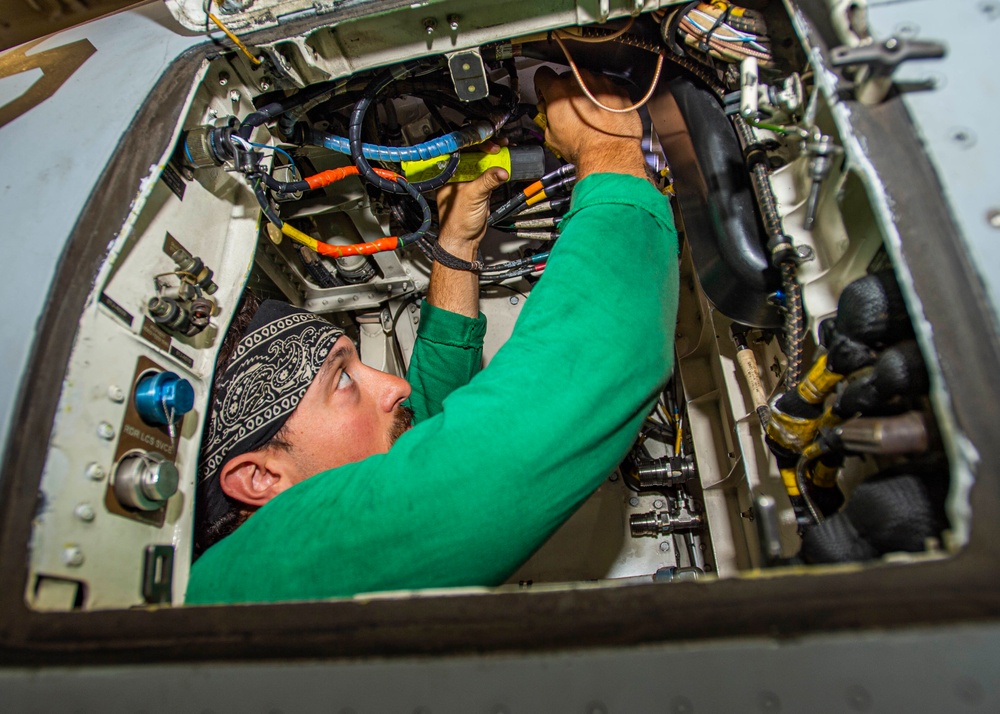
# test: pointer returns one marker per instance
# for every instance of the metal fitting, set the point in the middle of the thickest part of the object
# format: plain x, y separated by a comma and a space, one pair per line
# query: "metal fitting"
662, 523
145, 481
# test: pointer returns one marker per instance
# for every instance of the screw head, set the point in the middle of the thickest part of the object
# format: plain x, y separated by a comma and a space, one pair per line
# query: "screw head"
665, 546
85, 512
95, 472
805, 252
658, 503
633, 502
892, 43
105, 431
453, 22
72, 556
514, 300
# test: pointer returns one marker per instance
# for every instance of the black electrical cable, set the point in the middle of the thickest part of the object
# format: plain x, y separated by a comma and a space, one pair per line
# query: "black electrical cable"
265, 204
671, 27
274, 109
719, 21
355, 125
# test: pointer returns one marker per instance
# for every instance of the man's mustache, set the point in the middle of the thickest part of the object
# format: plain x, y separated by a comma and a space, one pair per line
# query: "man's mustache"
402, 420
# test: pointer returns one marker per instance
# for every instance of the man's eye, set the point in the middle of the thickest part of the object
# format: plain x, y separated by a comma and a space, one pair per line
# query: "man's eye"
345, 381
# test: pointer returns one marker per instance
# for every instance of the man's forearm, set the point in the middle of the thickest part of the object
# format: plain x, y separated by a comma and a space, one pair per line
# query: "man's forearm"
455, 290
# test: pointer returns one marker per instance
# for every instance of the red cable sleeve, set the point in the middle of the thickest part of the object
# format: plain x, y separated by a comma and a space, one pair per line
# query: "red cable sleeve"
342, 251
325, 178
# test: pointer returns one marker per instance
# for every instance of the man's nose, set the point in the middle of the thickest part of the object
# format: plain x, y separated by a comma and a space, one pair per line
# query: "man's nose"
393, 391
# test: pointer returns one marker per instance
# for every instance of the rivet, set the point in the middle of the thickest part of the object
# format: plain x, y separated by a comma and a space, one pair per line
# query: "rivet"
768, 702
633, 502
116, 394
105, 431
681, 705
72, 556
514, 300
95, 472
85, 512
963, 137
859, 699
665, 546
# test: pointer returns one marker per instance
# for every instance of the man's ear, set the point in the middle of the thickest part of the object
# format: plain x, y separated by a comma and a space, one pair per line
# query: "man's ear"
254, 478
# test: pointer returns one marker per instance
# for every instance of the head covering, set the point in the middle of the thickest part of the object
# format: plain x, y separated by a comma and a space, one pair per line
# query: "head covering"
268, 373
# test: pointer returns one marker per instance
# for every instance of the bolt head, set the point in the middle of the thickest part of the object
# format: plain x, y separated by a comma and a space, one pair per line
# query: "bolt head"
95, 472
658, 503
453, 22
665, 546
805, 252
235, 95
430, 24
892, 43
514, 300
633, 502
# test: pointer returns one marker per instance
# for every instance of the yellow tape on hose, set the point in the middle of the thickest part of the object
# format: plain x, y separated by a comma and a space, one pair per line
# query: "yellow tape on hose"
471, 166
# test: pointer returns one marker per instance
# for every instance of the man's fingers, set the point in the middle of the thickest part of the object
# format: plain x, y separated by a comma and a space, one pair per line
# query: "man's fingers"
544, 77
490, 179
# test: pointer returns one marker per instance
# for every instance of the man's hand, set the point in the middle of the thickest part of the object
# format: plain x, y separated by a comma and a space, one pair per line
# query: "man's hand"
596, 140
463, 209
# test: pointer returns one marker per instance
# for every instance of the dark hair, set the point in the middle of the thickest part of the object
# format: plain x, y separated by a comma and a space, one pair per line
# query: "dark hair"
209, 532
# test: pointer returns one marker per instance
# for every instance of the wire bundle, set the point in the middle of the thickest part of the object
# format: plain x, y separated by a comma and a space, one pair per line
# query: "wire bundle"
720, 30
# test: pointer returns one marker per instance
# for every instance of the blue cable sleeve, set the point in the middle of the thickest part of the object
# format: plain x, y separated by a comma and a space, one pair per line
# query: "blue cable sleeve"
442, 146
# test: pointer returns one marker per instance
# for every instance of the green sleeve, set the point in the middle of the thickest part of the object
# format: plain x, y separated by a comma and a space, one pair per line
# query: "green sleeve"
447, 354
467, 495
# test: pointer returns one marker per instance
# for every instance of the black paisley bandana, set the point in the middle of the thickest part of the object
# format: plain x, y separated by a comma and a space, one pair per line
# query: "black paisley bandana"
269, 372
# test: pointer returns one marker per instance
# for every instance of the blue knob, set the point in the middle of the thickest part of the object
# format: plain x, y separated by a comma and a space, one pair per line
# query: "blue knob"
163, 398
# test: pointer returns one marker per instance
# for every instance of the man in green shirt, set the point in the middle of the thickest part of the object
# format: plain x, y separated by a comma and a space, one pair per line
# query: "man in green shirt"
496, 460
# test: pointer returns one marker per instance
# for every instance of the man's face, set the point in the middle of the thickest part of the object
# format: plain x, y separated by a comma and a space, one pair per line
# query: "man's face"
349, 412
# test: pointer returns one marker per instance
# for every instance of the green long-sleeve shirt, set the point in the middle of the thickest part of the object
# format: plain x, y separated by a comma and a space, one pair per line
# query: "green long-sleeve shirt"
493, 466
